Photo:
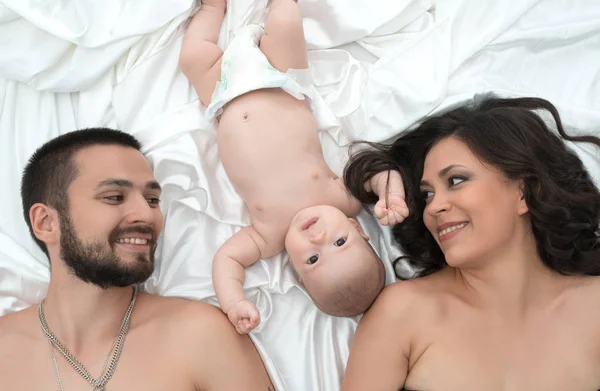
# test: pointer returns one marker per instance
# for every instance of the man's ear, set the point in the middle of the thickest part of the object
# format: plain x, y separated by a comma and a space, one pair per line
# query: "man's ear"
522, 208
359, 228
44, 222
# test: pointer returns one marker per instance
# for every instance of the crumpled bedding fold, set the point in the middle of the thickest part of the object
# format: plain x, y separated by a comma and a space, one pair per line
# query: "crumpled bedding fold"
378, 66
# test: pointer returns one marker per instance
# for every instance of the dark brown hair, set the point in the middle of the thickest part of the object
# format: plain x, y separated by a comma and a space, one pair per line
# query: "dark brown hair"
563, 202
51, 169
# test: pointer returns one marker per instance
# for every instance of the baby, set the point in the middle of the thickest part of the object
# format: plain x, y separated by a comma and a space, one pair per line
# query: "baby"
269, 145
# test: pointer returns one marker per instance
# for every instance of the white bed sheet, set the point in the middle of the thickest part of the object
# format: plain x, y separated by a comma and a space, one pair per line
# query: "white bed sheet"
379, 66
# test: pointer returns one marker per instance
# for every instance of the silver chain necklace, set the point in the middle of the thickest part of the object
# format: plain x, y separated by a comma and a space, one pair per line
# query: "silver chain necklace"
108, 369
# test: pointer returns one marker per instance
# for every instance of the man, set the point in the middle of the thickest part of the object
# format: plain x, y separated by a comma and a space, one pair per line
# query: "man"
91, 203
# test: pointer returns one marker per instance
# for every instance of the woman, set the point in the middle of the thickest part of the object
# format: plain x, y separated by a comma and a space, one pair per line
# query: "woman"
503, 228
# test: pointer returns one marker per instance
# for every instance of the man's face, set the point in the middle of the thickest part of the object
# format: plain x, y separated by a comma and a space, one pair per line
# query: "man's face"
109, 234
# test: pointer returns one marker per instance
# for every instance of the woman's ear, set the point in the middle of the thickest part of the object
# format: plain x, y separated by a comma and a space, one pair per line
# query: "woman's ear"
522, 207
359, 229
44, 223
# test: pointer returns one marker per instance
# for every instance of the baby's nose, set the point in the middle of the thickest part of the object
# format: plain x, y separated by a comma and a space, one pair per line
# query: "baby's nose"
317, 238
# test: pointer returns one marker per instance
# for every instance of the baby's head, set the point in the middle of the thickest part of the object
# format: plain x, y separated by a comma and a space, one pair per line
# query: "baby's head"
333, 258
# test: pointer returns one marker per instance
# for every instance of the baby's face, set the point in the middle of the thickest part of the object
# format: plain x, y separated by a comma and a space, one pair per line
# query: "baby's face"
324, 245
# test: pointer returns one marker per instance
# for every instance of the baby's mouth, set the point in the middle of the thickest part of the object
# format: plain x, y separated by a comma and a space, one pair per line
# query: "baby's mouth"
309, 223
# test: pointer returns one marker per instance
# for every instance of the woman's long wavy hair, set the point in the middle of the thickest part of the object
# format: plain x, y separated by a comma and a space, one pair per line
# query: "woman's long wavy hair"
563, 202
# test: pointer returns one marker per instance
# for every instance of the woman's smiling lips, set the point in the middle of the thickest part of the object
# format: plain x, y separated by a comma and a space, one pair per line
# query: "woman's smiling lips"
451, 229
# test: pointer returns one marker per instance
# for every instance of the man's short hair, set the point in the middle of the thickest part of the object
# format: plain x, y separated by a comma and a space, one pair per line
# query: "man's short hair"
51, 169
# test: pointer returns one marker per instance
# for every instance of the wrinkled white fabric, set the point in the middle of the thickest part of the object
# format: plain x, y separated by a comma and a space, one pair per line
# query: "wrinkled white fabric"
378, 66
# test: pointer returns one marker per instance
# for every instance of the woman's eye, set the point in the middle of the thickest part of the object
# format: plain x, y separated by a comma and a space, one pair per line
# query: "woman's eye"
340, 242
455, 180
313, 259
426, 195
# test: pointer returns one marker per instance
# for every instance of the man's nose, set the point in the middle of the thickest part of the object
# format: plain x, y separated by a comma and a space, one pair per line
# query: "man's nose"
140, 211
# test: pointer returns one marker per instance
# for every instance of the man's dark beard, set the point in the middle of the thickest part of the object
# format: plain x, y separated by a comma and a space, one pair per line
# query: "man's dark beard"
95, 264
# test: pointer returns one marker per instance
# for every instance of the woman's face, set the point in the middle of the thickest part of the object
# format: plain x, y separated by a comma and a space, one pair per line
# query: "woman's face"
472, 209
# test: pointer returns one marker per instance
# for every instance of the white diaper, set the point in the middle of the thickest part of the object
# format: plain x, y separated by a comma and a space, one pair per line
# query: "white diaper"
245, 68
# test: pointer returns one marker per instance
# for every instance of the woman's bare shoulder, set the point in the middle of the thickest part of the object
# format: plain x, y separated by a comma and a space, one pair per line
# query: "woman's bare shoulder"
417, 298
582, 291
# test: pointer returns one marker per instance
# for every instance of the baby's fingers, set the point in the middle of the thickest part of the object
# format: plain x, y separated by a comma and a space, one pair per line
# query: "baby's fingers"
240, 327
380, 210
394, 216
254, 318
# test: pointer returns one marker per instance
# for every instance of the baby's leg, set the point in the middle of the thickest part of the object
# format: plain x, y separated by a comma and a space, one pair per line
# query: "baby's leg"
200, 58
283, 42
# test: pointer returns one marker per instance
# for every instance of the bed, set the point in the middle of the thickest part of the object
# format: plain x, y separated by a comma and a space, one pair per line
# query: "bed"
379, 66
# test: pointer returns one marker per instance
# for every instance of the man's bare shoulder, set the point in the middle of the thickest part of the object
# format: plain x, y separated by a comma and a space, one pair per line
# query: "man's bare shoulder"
19, 332
201, 337
21, 324
165, 308
191, 320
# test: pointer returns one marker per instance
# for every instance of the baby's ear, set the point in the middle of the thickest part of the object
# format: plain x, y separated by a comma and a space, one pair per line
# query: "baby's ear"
294, 267
359, 229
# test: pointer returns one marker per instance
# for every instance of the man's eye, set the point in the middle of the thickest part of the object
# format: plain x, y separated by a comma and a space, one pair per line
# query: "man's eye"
114, 198
313, 259
340, 242
153, 201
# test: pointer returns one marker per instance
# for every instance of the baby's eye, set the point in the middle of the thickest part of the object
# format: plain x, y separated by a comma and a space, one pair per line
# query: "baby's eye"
340, 242
313, 259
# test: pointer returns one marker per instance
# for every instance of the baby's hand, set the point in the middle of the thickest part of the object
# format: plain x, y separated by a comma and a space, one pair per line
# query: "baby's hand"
244, 316
391, 208
392, 211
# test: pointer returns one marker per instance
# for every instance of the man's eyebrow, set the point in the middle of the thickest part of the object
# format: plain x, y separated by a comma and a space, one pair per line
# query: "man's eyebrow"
154, 185
115, 182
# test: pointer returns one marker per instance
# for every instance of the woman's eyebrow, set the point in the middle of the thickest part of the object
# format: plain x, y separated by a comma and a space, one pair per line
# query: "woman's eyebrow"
442, 173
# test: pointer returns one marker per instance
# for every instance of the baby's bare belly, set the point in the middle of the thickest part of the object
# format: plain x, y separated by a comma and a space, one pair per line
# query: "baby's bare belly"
266, 121
270, 149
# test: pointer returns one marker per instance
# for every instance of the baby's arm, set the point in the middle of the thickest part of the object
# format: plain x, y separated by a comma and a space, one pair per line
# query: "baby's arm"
238, 252
391, 208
